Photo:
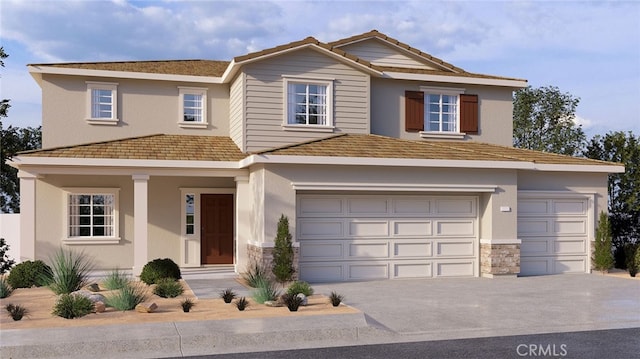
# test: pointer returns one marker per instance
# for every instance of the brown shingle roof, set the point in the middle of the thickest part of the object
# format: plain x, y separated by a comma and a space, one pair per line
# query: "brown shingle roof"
444, 73
379, 35
374, 146
153, 147
170, 67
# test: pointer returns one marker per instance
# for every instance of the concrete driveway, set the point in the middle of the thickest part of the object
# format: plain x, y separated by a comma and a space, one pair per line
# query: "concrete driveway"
430, 309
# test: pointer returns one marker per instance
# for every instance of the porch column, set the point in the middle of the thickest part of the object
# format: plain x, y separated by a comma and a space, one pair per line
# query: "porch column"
27, 215
140, 222
243, 216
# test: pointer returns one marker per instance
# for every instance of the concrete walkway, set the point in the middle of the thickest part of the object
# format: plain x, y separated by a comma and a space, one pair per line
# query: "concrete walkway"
392, 311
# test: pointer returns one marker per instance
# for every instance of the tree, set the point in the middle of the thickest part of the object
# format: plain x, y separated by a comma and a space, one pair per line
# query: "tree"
602, 255
283, 252
623, 188
543, 120
12, 141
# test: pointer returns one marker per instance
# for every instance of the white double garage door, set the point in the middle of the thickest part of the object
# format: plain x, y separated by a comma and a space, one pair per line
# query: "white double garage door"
363, 237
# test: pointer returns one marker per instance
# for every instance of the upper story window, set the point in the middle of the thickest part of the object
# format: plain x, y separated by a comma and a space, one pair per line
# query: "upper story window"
441, 112
308, 104
193, 107
102, 103
92, 215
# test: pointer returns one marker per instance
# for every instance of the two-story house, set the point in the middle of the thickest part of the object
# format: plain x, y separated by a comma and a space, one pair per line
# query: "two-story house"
388, 162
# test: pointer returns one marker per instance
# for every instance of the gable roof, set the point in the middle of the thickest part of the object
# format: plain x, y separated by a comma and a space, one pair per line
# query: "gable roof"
375, 34
223, 71
152, 147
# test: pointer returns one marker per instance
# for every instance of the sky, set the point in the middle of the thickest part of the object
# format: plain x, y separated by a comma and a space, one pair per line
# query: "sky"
588, 49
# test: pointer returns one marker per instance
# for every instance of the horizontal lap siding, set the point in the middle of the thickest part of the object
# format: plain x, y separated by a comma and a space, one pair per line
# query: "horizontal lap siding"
383, 55
236, 109
264, 97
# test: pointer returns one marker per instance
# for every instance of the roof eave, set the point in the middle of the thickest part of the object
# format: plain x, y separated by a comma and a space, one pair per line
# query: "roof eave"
512, 83
23, 161
38, 70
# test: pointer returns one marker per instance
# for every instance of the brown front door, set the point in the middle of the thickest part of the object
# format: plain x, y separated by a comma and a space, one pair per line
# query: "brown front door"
216, 217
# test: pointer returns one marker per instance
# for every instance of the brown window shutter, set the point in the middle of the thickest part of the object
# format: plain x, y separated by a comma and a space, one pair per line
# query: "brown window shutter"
469, 113
414, 111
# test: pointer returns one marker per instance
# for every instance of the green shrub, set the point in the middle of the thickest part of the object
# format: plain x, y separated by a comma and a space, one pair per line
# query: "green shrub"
16, 312
630, 258
283, 252
116, 279
126, 298
602, 257
71, 306
265, 291
300, 287
228, 295
28, 274
5, 262
336, 299
168, 288
254, 274
157, 269
70, 271
637, 256
5, 288
292, 301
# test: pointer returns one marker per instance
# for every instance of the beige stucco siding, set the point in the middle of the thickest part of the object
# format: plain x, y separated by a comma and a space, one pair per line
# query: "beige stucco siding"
236, 111
164, 228
388, 110
588, 183
265, 97
143, 107
380, 54
272, 186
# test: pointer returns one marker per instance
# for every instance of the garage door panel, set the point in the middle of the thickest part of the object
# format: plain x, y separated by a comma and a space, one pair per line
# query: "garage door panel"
570, 246
318, 228
570, 265
368, 250
367, 206
316, 272
569, 207
368, 228
534, 207
412, 249
411, 207
316, 250
567, 226
446, 228
319, 207
412, 270
455, 249
534, 227
534, 247
456, 207
420, 228
536, 266
360, 271
455, 269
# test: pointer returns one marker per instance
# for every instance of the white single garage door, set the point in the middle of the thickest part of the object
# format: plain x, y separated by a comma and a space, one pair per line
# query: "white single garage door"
363, 237
554, 234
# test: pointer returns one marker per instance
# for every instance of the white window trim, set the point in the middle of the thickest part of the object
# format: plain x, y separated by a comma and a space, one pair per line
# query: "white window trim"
183, 90
115, 239
324, 81
450, 91
111, 86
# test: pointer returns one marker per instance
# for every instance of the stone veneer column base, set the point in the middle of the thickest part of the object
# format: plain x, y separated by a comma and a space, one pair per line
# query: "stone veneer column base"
264, 257
499, 260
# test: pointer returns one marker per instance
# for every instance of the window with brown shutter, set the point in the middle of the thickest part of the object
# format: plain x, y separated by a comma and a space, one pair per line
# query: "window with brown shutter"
469, 113
414, 111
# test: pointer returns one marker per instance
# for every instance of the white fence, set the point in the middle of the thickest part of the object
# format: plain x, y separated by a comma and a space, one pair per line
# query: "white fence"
10, 231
